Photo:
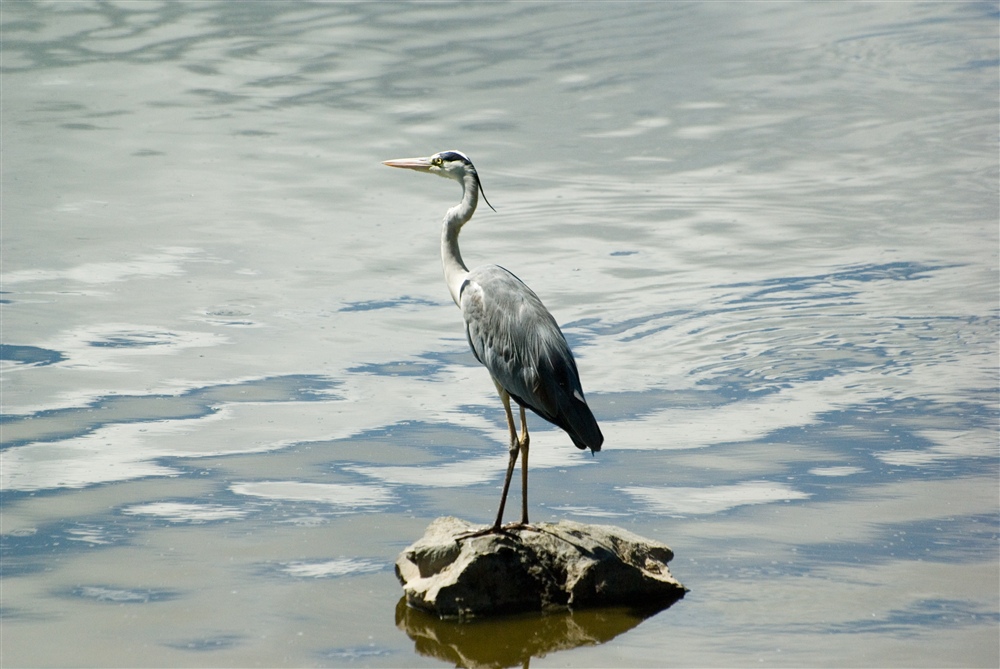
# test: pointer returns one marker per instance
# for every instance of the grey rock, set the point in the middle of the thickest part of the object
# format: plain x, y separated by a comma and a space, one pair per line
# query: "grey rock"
545, 567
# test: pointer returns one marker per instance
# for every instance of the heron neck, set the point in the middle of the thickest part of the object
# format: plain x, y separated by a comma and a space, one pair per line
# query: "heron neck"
455, 271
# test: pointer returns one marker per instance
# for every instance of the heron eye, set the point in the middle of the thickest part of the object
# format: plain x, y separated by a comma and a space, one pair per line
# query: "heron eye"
437, 161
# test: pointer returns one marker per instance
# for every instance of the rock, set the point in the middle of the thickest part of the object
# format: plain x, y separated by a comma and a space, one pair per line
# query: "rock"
542, 568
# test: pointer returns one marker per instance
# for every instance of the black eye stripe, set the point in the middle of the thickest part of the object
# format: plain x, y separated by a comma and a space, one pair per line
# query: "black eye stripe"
452, 155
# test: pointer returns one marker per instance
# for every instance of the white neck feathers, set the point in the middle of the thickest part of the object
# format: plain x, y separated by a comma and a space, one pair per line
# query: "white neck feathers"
455, 271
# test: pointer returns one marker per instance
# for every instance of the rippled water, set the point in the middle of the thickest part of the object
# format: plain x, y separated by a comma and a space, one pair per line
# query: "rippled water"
234, 385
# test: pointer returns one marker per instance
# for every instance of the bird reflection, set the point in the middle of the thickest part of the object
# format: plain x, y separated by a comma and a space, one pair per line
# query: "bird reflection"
512, 641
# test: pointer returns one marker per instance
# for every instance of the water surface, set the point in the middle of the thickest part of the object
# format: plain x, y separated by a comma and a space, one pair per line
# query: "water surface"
235, 387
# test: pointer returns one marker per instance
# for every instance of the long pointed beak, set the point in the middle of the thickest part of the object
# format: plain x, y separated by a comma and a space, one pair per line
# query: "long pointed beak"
419, 164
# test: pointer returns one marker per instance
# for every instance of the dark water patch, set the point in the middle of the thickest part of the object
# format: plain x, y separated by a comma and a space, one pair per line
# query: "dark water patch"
21, 614
877, 436
208, 643
59, 107
254, 133
56, 424
13, 567
30, 355
230, 317
606, 329
217, 97
960, 539
399, 368
575, 338
773, 358
866, 273
423, 441
629, 405
277, 81
914, 620
489, 126
30, 550
740, 384
978, 64
83, 126
393, 303
458, 354
355, 654
135, 340
114, 595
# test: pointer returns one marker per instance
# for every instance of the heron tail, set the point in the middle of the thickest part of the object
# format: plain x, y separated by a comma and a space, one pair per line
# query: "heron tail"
570, 410
584, 430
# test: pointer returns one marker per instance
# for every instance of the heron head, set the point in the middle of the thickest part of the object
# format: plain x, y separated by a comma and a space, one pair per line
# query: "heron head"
451, 164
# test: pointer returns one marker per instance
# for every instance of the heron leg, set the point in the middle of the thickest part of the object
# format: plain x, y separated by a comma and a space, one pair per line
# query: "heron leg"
513, 450
523, 444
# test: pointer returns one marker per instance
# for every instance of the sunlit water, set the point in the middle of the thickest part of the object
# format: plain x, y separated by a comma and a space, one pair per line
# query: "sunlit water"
235, 386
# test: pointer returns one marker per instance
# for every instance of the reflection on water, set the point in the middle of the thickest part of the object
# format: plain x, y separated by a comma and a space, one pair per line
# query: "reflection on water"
234, 387
513, 641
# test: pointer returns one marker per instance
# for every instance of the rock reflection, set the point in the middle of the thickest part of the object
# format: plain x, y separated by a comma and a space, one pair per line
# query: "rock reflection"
512, 641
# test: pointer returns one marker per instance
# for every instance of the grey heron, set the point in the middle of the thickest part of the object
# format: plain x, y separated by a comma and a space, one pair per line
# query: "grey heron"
510, 332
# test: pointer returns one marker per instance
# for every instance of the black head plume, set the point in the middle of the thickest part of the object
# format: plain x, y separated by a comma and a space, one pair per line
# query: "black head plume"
482, 192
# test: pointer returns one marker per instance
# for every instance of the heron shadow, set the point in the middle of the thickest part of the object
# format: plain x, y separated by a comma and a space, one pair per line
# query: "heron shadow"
511, 641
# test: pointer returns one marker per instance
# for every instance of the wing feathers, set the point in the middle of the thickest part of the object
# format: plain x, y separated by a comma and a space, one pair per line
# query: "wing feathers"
517, 340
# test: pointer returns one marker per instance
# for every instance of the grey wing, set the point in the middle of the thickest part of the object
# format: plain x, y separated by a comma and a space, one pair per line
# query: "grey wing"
513, 335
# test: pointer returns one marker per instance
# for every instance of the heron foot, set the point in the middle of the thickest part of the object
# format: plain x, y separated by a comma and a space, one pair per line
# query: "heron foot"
510, 530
